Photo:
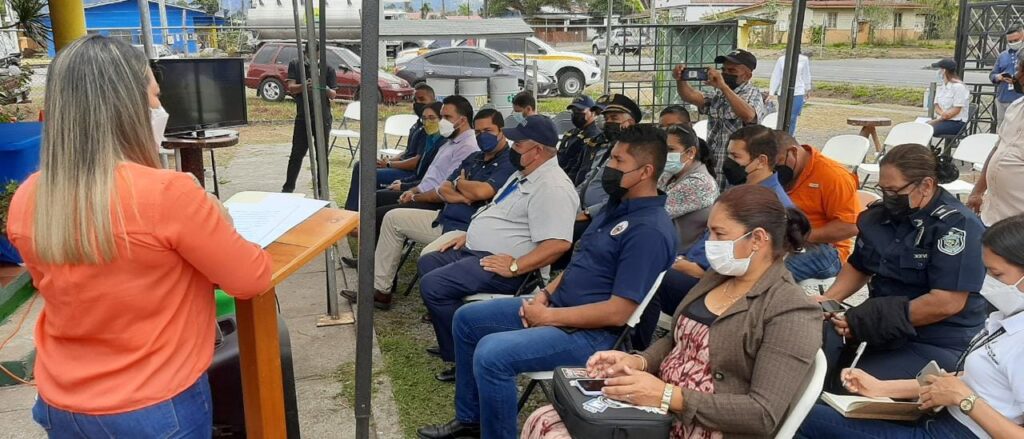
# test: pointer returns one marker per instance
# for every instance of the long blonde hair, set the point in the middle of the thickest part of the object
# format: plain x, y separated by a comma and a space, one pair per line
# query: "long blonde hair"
97, 116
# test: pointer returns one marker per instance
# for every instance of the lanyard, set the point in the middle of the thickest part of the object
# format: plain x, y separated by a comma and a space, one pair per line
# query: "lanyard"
980, 341
508, 190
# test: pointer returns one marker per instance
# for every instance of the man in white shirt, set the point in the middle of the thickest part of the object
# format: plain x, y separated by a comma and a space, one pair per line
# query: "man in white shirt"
800, 90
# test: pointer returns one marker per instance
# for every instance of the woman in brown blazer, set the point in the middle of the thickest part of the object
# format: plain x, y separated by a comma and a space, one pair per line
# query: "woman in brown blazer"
743, 341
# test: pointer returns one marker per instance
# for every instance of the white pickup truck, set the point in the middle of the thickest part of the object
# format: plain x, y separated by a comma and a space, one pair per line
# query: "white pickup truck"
573, 71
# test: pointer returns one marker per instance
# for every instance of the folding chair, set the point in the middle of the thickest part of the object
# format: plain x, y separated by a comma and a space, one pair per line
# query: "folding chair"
808, 397
771, 120
973, 149
848, 149
700, 127
538, 378
344, 132
907, 132
950, 141
398, 126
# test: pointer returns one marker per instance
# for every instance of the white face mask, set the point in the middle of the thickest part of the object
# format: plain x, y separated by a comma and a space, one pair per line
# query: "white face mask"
1015, 46
446, 128
1006, 298
674, 163
158, 120
723, 260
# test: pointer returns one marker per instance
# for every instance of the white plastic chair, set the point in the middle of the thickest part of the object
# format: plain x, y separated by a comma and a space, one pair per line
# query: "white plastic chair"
344, 132
398, 126
973, 149
907, 132
538, 378
771, 120
848, 149
701, 129
809, 395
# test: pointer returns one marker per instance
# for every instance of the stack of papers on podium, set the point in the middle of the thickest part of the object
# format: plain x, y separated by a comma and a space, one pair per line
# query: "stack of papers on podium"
262, 217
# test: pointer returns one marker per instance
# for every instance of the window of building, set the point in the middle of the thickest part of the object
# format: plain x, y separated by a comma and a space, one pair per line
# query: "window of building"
897, 20
832, 20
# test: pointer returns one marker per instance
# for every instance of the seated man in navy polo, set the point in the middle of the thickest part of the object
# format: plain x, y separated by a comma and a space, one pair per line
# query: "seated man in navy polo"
582, 311
526, 227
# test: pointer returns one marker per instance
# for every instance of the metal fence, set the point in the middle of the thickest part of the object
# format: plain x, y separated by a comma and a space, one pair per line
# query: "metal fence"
981, 38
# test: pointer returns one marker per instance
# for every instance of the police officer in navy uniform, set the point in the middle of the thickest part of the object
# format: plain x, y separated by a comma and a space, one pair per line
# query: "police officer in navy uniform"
920, 248
579, 145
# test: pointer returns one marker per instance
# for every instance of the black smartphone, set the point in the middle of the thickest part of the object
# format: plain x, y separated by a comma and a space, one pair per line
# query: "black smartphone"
832, 306
1006, 75
695, 74
589, 387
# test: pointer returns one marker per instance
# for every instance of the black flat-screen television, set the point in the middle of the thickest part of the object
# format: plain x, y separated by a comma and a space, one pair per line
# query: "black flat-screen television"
201, 93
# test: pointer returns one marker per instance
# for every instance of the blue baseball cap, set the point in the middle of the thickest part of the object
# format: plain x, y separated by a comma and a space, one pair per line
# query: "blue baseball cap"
582, 102
537, 128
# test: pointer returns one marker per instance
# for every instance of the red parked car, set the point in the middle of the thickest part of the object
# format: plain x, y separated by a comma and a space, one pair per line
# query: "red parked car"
269, 69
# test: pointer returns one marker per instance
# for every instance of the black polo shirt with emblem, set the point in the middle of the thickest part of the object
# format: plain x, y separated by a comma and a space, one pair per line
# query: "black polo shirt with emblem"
936, 248
622, 252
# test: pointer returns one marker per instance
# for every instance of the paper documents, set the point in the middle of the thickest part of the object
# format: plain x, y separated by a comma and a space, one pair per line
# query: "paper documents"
860, 407
923, 120
262, 217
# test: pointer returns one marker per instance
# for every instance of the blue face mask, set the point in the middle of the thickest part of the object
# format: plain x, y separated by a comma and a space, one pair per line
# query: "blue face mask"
487, 142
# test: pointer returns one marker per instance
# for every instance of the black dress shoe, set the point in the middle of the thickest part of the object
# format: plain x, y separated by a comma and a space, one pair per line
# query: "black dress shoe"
425, 318
380, 300
434, 351
350, 262
452, 430
447, 375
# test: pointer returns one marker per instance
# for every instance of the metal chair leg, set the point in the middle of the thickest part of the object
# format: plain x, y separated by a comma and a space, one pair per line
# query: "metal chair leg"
412, 284
526, 394
408, 246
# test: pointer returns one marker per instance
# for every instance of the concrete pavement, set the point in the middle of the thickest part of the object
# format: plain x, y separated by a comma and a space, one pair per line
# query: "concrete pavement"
317, 352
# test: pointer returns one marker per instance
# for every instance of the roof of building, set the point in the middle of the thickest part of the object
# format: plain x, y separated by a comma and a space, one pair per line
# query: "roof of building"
430, 29
97, 3
834, 4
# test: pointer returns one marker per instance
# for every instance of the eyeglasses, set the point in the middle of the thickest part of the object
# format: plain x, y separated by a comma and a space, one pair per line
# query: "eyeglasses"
886, 192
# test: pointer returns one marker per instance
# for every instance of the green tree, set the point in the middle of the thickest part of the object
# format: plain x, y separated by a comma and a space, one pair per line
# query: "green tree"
526, 7
425, 9
465, 10
599, 8
208, 6
29, 19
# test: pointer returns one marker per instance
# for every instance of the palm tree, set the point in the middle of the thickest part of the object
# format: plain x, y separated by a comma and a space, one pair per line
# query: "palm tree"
425, 10
28, 18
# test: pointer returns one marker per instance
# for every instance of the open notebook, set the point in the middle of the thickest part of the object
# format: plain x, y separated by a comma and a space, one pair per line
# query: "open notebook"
862, 407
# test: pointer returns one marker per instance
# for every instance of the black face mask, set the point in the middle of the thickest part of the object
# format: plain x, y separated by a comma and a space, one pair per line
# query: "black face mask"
732, 81
612, 130
611, 182
898, 206
516, 159
579, 120
735, 173
786, 174
417, 107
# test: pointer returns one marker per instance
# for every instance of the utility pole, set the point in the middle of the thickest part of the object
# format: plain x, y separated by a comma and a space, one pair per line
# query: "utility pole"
856, 24
147, 29
164, 32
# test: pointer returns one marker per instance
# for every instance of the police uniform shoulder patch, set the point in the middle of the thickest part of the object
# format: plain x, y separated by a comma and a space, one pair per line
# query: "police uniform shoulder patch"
619, 228
953, 242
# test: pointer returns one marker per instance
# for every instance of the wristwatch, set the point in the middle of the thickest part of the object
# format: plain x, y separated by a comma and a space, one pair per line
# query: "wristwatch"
514, 268
387, 163
967, 404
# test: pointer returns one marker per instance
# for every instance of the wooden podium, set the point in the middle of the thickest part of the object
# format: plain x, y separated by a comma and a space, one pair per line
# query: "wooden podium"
259, 345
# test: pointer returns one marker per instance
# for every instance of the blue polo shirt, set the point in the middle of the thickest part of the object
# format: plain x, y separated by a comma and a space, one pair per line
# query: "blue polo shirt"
773, 184
621, 253
937, 248
417, 141
1006, 62
456, 216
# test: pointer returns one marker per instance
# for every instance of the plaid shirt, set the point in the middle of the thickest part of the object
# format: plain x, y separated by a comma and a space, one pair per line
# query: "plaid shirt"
722, 121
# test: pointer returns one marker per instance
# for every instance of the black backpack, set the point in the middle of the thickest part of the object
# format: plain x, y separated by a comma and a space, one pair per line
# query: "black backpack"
612, 423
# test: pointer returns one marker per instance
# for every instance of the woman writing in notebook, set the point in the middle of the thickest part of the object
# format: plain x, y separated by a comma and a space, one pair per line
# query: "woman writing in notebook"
984, 395
125, 255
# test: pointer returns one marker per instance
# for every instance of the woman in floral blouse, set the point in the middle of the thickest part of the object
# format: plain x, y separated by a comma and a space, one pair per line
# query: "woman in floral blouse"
687, 180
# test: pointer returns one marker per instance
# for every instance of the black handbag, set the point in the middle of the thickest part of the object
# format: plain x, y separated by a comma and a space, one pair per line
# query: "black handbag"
609, 423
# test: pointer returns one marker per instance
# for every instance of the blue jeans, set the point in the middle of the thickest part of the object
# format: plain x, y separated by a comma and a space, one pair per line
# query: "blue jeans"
492, 349
385, 176
798, 107
824, 421
188, 415
948, 127
446, 278
818, 261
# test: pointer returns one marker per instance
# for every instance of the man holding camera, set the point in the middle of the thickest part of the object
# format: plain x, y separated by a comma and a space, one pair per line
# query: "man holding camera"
733, 103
